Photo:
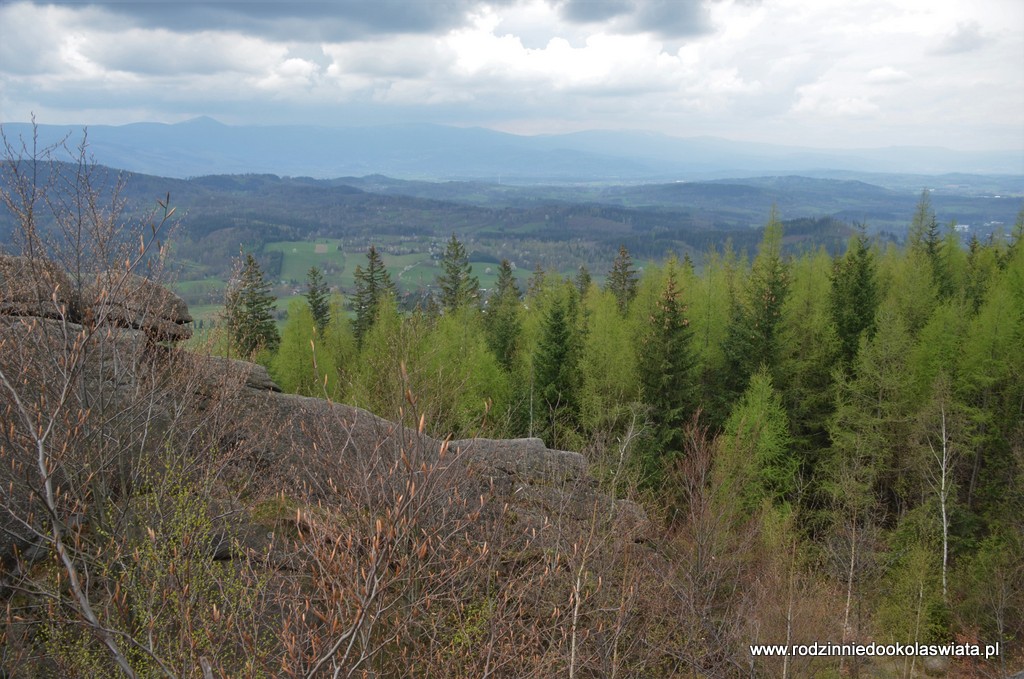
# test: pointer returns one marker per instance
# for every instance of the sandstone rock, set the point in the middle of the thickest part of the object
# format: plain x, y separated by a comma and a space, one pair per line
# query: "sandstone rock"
35, 287
252, 375
132, 301
308, 450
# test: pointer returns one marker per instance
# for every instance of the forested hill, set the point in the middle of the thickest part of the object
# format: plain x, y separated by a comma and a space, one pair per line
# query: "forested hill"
223, 211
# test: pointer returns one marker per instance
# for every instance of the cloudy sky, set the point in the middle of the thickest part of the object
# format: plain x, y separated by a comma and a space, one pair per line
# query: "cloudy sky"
826, 73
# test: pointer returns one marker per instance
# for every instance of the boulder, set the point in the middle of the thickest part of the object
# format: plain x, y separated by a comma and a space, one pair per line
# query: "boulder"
35, 287
131, 301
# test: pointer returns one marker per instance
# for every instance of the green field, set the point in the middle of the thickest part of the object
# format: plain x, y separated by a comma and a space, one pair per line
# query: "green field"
301, 256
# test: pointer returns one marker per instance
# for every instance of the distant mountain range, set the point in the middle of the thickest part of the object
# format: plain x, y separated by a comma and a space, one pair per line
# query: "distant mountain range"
203, 146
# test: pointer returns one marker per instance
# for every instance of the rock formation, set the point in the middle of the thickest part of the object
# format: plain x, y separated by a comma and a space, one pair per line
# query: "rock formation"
299, 447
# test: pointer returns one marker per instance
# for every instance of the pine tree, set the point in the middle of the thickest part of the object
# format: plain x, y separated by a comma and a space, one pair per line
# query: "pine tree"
622, 279
248, 311
459, 287
318, 297
371, 283
666, 366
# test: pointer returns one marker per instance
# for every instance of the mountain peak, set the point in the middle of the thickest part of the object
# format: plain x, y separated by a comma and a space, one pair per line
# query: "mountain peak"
202, 121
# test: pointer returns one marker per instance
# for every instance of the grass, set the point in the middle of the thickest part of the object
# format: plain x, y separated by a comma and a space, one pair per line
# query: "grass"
300, 256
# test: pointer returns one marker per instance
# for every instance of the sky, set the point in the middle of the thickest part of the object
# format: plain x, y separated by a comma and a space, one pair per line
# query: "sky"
818, 73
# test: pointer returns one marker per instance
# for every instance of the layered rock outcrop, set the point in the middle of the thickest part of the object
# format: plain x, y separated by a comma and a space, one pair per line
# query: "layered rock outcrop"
304, 448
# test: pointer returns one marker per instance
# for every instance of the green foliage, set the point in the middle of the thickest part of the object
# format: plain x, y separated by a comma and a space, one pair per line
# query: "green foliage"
756, 446
555, 370
752, 333
460, 384
712, 302
809, 349
924, 238
665, 368
938, 346
990, 584
923, 230
248, 311
622, 279
608, 372
459, 287
372, 284
828, 378
376, 380
583, 280
303, 365
503, 322
911, 607
909, 288
853, 296
167, 590
319, 298
873, 417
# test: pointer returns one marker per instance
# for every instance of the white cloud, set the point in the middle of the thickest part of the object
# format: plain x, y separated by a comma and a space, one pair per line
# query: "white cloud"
886, 75
830, 72
966, 37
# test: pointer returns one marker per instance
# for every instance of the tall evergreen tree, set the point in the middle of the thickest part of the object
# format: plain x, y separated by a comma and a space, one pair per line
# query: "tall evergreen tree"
922, 222
666, 366
506, 286
583, 280
459, 287
249, 311
622, 279
535, 284
752, 333
319, 298
555, 373
853, 295
371, 284
503, 323
924, 237
809, 349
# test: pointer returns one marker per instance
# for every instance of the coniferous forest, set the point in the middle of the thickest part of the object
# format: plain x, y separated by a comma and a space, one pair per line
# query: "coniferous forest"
855, 422
642, 477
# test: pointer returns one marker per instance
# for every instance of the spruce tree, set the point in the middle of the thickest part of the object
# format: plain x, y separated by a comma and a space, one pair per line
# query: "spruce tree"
318, 297
459, 287
923, 222
503, 324
249, 311
622, 279
371, 284
583, 280
853, 296
752, 333
555, 371
666, 366
535, 284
